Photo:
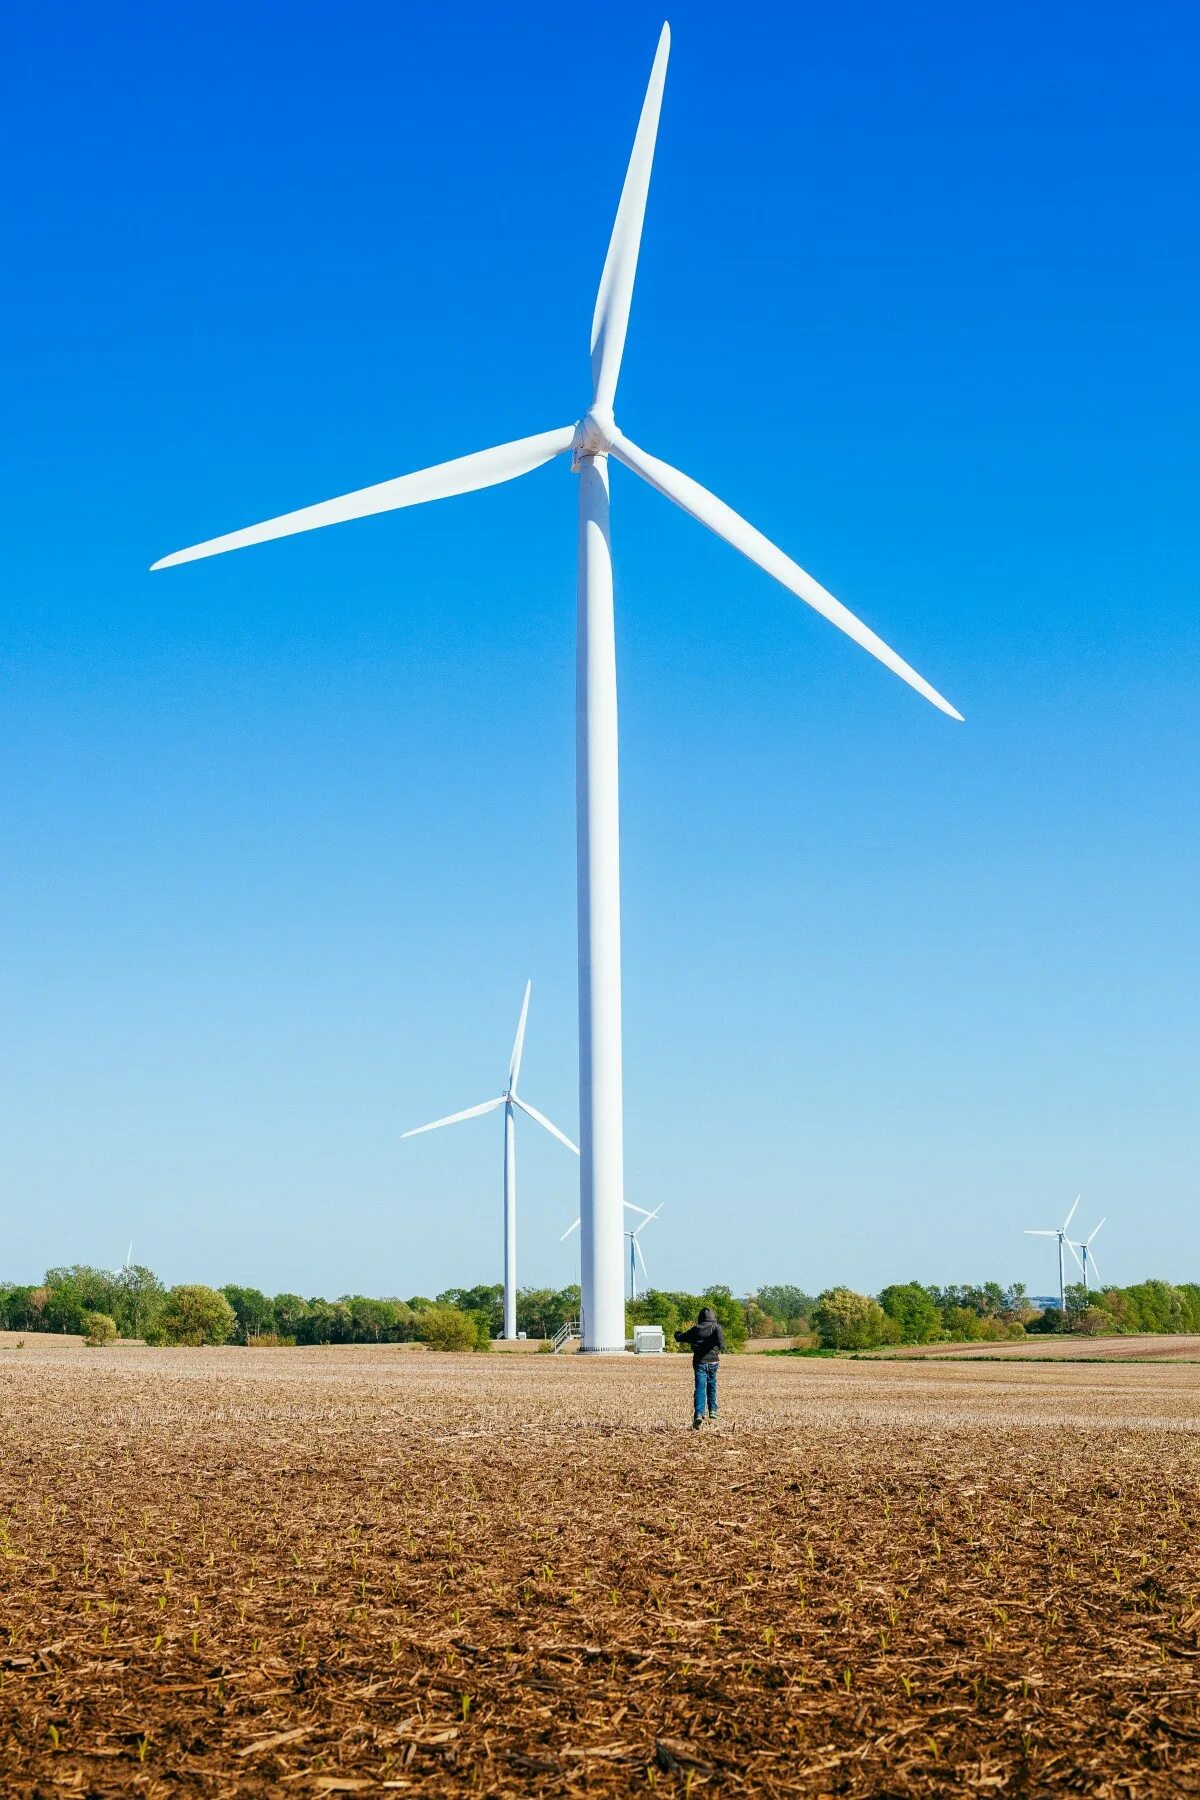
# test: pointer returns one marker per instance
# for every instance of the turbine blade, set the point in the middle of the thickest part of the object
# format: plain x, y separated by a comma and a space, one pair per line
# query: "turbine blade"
1071, 1214
1029, 1233
544, 1121
729, 525
566, 1234
610, 321
1099, 1228
638, 1251
514, 1061
1092, 1263
484, 468
472, 1112
638, 1209
1074, 1253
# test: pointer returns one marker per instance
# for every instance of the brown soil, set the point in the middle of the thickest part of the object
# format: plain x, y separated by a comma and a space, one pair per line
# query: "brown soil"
1067, 1349
281, 1571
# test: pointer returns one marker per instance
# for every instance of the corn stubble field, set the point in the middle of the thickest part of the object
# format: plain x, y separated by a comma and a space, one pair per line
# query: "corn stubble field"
358, 1571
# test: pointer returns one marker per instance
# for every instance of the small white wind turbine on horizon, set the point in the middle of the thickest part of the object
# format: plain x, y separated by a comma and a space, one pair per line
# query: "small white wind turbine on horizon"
1084, 1246
590, 442
508, 1100
1060, 1232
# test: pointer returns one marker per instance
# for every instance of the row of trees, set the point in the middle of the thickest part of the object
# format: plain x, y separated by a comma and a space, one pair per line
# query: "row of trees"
133, 1303
909, 1313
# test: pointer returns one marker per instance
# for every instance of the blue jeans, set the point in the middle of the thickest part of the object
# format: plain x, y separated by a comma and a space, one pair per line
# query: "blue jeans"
706, 1390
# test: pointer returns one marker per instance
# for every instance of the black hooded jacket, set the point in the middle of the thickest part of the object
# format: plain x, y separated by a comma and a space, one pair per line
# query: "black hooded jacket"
705, 1337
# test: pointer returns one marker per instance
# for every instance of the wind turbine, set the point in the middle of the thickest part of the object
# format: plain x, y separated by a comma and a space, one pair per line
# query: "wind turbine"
508, 1100
1088, 1258
590, 443
1060, 1232
632, 1233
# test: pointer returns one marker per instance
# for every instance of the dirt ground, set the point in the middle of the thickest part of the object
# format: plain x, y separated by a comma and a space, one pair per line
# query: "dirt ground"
269, 1572
1067, 1349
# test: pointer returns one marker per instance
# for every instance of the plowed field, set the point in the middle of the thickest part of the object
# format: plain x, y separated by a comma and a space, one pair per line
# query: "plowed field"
271, 1572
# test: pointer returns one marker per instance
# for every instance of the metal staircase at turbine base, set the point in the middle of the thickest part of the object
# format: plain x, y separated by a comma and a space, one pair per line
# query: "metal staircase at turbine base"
566, 1334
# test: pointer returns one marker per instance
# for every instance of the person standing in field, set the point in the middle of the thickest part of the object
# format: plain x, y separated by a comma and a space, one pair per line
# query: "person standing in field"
707, 1341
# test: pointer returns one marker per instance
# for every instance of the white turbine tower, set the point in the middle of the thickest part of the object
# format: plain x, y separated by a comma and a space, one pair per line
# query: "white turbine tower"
508, 1100
1060, 1232
632, 1232
1089, 1261
590, 443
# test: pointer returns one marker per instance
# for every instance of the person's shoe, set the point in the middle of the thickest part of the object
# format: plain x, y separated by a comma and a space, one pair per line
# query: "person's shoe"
696, 1424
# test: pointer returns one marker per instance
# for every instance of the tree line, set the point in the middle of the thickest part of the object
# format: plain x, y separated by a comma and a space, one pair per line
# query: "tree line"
104, 1305
910, 1313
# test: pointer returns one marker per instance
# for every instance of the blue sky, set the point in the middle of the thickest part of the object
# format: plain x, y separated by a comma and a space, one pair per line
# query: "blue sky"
285, 833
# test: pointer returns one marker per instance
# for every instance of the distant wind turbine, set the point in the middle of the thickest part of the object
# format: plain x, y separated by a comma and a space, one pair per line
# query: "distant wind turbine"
508, 1100
1060, 1232
590, 443
632, 1233
1089, 1261
635, 1249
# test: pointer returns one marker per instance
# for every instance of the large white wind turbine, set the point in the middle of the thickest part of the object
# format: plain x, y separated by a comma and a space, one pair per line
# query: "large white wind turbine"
590, 443
508, 1100
1060, 1232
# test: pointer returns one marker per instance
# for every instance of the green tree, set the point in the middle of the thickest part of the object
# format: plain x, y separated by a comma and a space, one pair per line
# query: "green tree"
99, 1328
1094, 1321
254, 1313
543, 1311
139, 1300
1154, 1306
192, 1314
759, 1322
95, 1290
487, 1298
790, 1306
445, 1328
371, 1321
65, 1308
914, 1311
24, 1309
849, 1321
289, 1310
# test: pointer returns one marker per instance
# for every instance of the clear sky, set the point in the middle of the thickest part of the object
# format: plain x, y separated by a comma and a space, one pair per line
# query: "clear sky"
284, 833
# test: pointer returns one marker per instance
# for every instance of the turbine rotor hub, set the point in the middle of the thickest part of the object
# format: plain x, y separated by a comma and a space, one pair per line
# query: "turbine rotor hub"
593, 435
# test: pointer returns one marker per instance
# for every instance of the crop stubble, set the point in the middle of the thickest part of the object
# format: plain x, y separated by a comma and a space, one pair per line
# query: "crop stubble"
332, 1570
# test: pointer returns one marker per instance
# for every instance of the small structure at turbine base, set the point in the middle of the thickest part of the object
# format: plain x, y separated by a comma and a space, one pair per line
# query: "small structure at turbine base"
648, 1340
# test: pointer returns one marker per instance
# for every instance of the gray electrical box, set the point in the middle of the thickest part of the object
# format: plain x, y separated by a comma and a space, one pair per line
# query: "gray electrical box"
648, 1340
